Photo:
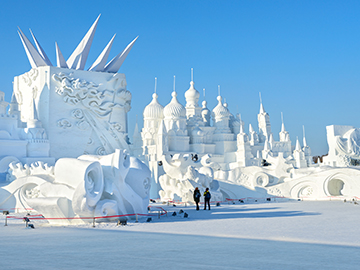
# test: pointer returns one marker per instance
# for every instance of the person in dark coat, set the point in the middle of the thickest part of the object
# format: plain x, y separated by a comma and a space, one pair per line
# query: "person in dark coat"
197, 196
207, 196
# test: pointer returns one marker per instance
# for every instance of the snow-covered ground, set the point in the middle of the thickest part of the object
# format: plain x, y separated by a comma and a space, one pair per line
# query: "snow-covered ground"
285, 235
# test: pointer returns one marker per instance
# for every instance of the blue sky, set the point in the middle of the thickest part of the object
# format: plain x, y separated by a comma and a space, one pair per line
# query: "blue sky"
303, 56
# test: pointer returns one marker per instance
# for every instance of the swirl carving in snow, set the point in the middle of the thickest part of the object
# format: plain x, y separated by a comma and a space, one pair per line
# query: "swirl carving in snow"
115, 184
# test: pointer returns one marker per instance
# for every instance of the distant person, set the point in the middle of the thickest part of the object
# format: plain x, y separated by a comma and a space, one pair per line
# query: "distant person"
197, 196
207, 196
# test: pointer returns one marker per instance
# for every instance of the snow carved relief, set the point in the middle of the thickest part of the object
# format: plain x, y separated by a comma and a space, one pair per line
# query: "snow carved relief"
101, 110
30, 76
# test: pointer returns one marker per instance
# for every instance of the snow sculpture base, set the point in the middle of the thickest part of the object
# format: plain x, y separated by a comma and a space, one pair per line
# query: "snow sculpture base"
76, 190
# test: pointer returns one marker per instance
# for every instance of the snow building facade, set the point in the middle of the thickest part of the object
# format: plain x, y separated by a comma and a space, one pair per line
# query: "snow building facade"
198, 131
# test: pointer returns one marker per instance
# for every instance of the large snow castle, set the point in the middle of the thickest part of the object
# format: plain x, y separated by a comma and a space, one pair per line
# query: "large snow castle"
65, 149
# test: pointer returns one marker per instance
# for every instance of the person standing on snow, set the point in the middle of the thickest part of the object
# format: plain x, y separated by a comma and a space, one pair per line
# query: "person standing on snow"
197, 196
207, 196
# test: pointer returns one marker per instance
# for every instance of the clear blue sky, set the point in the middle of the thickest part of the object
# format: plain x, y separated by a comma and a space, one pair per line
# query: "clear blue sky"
303, 56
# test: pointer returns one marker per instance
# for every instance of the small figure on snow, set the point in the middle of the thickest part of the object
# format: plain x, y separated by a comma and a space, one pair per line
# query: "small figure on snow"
197, 196
207, 196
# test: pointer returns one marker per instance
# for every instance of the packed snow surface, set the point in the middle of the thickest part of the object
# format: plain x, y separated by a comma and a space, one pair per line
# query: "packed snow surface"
273, 235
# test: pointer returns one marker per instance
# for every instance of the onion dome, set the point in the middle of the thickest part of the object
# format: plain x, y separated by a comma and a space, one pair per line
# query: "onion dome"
220, 111
154, 109
192, 96
205, 111
174, 109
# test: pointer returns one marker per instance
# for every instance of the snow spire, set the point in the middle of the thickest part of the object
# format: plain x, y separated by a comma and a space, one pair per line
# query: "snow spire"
14, 106
251, 128
136, 130
297, 147
304, 139
262, 110
282, 123
241, 126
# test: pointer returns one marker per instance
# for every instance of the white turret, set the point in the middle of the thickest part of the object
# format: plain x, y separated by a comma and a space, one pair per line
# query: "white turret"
264, 124
221, 117
254, 138
153, 114
267, 150
193, 110
283, 134
299, 156
14, 107
307, 150
38, 143
175, 123
205, 114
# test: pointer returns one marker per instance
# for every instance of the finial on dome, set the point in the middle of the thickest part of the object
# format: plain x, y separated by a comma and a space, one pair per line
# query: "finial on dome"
155, 85
174, 84
262, 110
219, 90
204, 92
204, 104
192, 74
225, 104
154, 96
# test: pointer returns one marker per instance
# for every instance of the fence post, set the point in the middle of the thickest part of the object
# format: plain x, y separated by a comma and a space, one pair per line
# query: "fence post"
94, 222
5, 220
136, 221
159, 213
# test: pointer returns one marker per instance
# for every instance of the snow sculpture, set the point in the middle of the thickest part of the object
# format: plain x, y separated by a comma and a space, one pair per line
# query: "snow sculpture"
344, 146
183, 175
89, 186
83, 112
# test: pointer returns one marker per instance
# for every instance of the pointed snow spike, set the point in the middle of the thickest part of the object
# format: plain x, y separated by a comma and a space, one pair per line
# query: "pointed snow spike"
34, 111
13, 99
251, 128
60, 60
262, 110
241, 129
40, 50
34, 57
304, 138
78, 58
283, 127
304, 142
266, 145
297, 147
100, 62
115, 64
136, 131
